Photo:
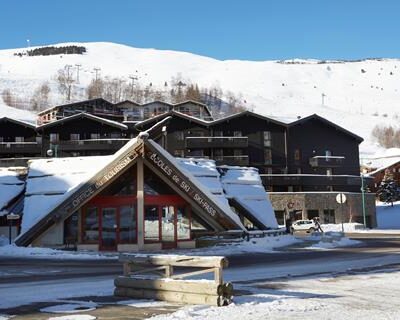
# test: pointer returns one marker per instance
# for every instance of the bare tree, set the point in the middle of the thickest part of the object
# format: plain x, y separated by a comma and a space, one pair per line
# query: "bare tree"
95, 89
40, 98
65, 81
8, 97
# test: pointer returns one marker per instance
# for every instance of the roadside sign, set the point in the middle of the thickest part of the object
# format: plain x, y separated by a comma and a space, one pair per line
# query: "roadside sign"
341, 198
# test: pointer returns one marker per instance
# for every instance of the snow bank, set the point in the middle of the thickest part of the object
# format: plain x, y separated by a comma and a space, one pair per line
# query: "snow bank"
388, 217
343, 242
46, 253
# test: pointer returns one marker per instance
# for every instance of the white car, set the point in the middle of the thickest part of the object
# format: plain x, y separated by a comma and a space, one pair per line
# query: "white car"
303, 225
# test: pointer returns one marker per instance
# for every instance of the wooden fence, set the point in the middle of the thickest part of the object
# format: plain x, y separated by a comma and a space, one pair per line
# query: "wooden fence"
164, 277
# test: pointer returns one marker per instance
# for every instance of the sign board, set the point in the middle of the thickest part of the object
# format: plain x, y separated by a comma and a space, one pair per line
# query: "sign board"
341, 198
13, 216
213, 212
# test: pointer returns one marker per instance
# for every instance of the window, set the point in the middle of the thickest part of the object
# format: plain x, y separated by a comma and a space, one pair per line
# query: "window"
115, 135
329, 216
267, 156
267, 139
237, 133
183, 223
95, 136
179, 153
328, 154
237, 153
179, 135
1, 139
127, 224
297, 155
74, 136
219, 154
19, 139
54, 137
298, 170
218, 133
151, 224
168, 223
91, 226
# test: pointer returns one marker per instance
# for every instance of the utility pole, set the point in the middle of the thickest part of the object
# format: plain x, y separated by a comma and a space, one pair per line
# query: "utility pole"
69, 81
96, 70
323, 95
77, 72
133, 78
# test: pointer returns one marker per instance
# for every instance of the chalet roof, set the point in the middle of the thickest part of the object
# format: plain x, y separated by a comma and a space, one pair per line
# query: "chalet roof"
75, 103
247, 113
381, 164
127, 101
87, 116
194, 102
326, 121
18, 122
169, 114
157, 101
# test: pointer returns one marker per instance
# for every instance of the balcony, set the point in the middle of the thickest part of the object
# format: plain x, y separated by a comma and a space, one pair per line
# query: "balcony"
326, 161
20, 147
232, 160
314, 180
216, 142
90, 144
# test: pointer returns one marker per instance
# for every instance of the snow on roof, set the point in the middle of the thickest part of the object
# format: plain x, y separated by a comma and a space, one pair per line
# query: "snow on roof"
10, 187
196, 170
50, 181
245, 186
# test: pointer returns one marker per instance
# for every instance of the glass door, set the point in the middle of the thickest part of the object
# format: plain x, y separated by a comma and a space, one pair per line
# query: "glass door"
168, 227
108, 229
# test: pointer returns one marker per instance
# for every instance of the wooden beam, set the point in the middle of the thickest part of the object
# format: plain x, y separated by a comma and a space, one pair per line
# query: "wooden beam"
172, 296
189, 286
177, 261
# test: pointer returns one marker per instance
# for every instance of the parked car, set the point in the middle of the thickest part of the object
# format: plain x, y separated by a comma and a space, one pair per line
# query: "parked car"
303, 225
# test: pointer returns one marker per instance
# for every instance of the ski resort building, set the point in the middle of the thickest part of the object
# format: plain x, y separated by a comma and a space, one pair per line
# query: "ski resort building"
140, 198
302, 165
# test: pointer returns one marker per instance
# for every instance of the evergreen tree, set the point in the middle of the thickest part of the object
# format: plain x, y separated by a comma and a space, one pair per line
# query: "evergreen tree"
388, 190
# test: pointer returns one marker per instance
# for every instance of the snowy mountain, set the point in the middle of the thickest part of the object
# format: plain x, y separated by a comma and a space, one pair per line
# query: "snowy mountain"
355, 94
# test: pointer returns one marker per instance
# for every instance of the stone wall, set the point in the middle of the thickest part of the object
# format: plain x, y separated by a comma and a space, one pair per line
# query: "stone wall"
323, 203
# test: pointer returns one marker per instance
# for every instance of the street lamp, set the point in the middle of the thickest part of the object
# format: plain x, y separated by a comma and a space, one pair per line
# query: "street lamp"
363, 199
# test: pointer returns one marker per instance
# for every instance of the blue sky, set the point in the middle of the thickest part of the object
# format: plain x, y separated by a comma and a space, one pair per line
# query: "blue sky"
223, 29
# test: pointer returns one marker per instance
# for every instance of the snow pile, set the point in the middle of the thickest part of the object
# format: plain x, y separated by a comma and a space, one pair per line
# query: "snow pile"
50, 181
388, 217
348, 227
11, 185
365, 296
256, 245
245, 186
331, 244
46, 253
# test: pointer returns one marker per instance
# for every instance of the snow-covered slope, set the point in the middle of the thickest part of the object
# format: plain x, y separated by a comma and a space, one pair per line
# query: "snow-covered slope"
356, 95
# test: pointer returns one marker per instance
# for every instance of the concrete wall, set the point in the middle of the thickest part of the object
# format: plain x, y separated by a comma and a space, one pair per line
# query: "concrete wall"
320, 201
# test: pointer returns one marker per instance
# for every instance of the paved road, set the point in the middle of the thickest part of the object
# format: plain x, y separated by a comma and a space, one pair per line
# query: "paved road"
19, 276
27, 269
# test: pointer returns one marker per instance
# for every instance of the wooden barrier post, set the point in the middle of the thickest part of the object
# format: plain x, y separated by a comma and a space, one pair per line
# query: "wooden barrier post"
154, 277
